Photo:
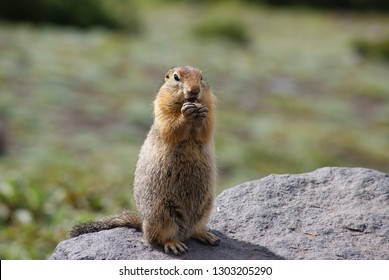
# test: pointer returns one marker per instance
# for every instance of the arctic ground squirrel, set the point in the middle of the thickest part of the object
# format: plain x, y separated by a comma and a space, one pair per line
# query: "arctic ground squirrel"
175, 175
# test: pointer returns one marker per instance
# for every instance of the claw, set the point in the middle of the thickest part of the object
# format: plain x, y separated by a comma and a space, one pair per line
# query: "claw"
176, 247
194, 110
207, 237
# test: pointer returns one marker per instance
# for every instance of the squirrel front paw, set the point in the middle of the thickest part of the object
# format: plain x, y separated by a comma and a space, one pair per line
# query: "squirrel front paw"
194, 110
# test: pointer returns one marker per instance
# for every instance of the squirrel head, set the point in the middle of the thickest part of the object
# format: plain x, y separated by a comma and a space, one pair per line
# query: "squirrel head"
186, 84
183, 85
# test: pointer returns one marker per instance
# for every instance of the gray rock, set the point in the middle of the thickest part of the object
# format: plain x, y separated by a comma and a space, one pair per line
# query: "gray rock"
127, 244
331, 213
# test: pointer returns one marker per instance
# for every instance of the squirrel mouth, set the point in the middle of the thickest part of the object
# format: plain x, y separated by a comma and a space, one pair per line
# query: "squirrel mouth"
191, 99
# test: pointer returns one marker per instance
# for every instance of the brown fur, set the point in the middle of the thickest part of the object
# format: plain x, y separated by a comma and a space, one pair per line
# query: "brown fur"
175, 173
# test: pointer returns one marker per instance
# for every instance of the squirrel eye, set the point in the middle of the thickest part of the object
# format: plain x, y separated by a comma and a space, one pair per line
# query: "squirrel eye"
176, 77
201, 77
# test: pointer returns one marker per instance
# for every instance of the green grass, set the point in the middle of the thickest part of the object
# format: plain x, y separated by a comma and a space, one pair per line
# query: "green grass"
78, 104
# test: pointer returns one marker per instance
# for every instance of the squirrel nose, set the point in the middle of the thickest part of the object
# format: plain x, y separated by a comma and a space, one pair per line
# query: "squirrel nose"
195, 90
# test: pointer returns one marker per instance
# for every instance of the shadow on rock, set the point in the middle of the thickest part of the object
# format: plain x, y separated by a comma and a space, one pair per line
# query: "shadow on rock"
228, 249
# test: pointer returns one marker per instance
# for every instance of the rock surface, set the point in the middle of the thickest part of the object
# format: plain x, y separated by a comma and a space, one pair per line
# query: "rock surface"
331, 213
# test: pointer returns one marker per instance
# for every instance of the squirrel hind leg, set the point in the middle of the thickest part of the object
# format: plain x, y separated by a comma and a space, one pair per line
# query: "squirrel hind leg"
200, 233
206, 237
175, 246
166, 235
203, 235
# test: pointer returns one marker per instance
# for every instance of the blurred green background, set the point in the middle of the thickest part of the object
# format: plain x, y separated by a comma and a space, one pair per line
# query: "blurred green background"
299, 87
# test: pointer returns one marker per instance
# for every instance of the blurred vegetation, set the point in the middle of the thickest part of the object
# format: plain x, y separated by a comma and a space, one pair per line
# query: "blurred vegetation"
222, 29
76, 105
377, 5
373, 48
348, 4
78, 13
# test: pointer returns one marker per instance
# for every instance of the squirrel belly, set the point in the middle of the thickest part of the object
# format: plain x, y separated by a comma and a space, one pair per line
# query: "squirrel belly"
179, 178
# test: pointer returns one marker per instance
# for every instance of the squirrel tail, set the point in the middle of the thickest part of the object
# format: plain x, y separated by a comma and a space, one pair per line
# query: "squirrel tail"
125, 219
